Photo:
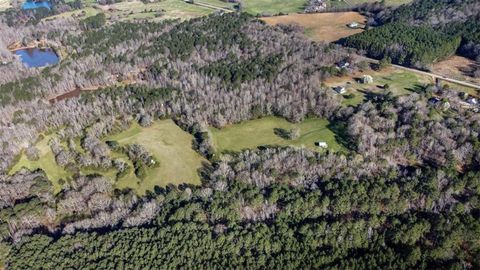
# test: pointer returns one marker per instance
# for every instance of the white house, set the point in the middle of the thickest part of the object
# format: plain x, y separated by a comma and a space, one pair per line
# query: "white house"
367, 79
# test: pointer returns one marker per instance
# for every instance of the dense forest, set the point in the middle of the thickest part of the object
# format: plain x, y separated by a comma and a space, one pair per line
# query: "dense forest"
404, 193
451, 17
404, 44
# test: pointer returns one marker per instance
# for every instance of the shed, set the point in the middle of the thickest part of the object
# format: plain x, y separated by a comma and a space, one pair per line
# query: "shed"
353, 25
321, 144
340, 89
472, 101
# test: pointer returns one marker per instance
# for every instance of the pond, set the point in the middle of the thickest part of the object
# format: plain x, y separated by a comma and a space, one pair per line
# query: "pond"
36, 57
36, 4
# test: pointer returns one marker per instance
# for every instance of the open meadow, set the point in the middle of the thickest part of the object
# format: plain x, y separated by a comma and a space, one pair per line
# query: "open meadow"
457, 67
46, 162
350, 3
260, 132
400, 82
272, 7
326, 27
171, 146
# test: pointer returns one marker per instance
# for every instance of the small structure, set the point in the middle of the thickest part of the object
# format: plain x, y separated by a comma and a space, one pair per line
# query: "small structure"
340, 89
472, 101
367, 79
433, 101
321, 144
353, 25
463, 95
343, 64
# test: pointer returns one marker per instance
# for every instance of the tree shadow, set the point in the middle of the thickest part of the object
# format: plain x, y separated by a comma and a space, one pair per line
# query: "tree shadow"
417, 88
339, 128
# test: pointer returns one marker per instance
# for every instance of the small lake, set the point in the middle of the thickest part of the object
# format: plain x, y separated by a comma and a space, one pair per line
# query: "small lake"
36, 4
36, 57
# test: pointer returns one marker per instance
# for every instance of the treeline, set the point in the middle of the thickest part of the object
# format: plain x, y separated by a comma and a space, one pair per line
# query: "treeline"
455, 18
404, 44
237, 221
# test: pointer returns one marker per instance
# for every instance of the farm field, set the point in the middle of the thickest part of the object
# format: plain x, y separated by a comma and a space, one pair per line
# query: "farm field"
457, 67
326, 27
401, 82
171, 146
254, 133
46, 162
272, 7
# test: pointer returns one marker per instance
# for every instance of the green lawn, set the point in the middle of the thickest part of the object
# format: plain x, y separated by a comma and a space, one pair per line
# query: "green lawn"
171, 146
349, 3
273, 6
46, 162
171, 9
401, 82
253, 133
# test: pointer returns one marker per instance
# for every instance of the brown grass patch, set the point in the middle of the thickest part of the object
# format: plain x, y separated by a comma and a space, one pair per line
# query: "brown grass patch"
457, 67
322, 26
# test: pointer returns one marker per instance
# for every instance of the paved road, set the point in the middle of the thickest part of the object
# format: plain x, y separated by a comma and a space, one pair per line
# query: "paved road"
433, 75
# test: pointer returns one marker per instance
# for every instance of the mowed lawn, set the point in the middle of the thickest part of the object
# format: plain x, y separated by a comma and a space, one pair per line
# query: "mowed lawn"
254, 133
171, 146
272, 7
46, 162
326, 27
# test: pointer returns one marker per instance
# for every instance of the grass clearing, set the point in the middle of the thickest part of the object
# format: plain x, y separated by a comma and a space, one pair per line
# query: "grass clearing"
401, 82
272, 7
171, 146
458, 68
46, 162
254, 133
350, 3
327, 27
169, 9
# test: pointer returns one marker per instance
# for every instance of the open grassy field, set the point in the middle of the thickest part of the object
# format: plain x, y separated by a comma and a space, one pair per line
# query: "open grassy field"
170, 9
272, 7
401, 82
347, 3
253, 133
171, 146
80, 13
46, 162
457, 67
322, 26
